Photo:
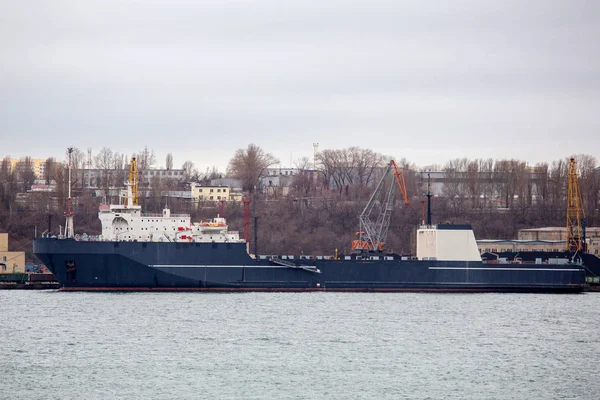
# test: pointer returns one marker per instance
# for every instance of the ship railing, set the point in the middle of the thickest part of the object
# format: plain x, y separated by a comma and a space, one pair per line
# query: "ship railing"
157, 215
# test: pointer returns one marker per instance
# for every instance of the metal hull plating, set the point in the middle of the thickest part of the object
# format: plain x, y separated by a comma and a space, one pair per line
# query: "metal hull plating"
158, 266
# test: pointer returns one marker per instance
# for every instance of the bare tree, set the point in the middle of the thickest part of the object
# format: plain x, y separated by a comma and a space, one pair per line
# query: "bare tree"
327, 161
455, 183
473, 182
104, 158
78, 164
8, 185
303, 182
119, 169
588, 181
210, 174
188, 170
485, 178
49, 168
169, 161
302, 163
353, 166
146, 159
249, 164
104, 162
27, 174
557, 187
365, 162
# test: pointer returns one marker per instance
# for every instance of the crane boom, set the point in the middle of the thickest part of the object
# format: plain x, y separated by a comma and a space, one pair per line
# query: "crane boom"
399, 175
373, 234
575, 214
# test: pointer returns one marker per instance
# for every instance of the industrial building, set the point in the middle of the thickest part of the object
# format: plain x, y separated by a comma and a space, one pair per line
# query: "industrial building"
540, 239
94, 177
10, 261
200, 192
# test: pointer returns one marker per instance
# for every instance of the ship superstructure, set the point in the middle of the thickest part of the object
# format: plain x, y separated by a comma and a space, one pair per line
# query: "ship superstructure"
122, 223
127, 222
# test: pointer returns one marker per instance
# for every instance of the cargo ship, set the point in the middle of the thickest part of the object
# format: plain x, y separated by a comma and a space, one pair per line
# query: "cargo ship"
168, 252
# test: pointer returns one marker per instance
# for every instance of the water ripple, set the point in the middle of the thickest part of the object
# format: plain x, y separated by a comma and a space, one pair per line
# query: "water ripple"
298, 346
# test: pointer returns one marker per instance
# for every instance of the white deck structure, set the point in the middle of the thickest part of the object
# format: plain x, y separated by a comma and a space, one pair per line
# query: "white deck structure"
126, 222
449, 243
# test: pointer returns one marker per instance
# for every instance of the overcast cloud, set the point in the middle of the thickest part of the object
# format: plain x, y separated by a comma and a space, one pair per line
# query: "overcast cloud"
425, 80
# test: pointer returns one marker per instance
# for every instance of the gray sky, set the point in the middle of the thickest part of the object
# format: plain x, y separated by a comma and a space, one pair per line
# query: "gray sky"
425, 80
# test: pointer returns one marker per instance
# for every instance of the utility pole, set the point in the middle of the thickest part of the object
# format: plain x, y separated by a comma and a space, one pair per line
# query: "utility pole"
315, 151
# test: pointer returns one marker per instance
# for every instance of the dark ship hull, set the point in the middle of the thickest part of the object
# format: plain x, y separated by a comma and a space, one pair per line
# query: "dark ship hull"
141, 266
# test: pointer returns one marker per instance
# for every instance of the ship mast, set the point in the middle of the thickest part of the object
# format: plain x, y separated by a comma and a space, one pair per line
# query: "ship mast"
69, 214
428, 199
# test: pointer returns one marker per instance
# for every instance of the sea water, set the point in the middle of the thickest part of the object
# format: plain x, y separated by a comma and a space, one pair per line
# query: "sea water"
65, 345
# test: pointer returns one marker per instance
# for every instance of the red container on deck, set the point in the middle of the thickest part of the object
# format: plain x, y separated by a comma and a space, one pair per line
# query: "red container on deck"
42, 278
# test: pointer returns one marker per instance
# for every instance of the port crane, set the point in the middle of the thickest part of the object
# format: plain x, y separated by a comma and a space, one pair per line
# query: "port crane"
133, 183
576, 221
373, 234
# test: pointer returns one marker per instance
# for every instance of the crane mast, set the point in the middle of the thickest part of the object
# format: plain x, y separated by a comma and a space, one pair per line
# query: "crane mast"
575, 213
132, 184
373, 234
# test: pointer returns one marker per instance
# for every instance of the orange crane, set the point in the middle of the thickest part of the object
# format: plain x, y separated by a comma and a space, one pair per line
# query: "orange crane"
576, 221
373, 234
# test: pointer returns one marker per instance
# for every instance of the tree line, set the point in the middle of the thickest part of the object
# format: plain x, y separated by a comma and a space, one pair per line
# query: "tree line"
497, 197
